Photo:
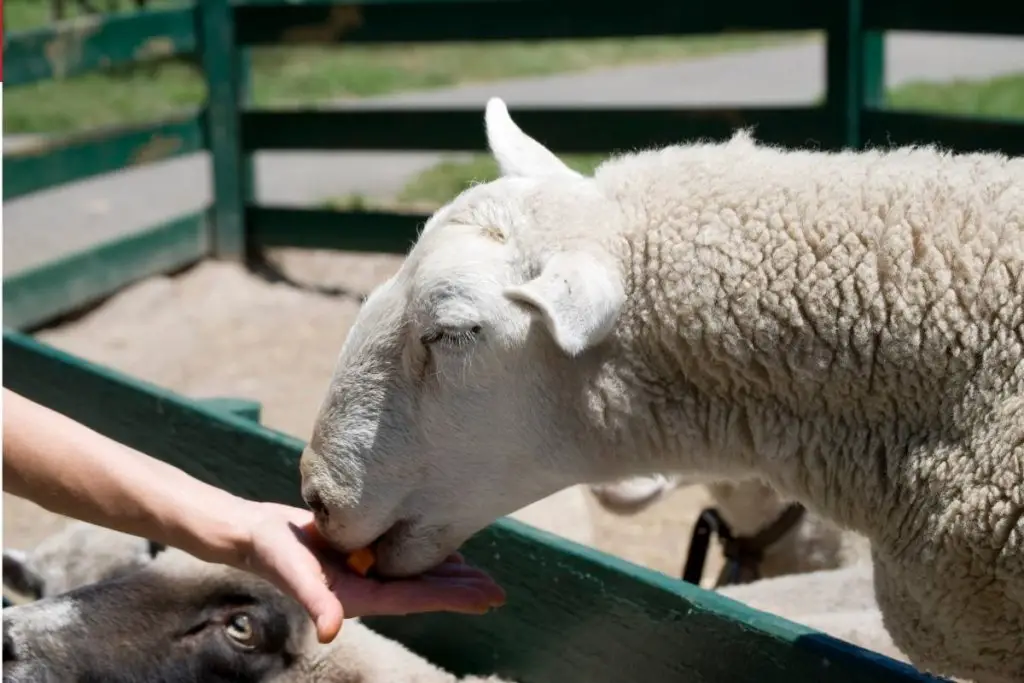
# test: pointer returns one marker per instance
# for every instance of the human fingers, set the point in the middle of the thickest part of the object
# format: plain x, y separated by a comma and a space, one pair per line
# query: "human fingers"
307, 585
456, 570
282, 556
423, 595
490, 592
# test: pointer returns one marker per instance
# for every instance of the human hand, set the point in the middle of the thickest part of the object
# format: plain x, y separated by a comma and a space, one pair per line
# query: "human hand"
282, 545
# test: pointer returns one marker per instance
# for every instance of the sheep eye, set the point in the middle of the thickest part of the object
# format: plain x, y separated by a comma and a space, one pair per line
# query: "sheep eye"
454, 338
239, 629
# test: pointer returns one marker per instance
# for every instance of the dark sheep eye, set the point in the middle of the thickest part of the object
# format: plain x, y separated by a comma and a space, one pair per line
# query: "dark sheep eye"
239, 628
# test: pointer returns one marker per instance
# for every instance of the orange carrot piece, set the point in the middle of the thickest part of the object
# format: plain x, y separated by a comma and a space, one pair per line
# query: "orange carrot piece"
361, 561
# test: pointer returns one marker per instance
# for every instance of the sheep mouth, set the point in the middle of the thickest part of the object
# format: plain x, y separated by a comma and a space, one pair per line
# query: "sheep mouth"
409, 549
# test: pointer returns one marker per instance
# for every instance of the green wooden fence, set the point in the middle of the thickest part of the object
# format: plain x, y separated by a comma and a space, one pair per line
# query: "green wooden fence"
603, 619
218, 33
573, 613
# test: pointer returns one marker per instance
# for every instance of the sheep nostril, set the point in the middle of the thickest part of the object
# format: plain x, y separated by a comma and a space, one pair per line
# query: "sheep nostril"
9, 653
315, 503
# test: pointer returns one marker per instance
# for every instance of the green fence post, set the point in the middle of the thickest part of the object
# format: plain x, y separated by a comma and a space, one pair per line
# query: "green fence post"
845, 73
220, 63
874, 68
243, 69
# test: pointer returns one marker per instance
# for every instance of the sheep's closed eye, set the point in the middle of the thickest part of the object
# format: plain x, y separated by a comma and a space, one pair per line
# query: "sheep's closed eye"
455, 338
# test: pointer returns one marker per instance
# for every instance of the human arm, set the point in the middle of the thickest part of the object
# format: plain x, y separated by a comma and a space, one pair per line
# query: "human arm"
69, 469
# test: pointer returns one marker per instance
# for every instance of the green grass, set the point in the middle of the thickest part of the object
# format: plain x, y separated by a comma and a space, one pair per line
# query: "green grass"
313, 75
24, 14
999, 97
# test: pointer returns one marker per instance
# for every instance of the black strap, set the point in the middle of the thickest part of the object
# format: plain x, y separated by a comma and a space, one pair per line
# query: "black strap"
743, 554
708, 523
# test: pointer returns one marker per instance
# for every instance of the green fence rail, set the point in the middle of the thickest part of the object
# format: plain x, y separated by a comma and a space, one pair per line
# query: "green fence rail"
217, 33
45, 293
77, 157
92, 43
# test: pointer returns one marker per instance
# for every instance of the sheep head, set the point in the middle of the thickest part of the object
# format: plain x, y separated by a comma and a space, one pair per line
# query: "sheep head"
461, 392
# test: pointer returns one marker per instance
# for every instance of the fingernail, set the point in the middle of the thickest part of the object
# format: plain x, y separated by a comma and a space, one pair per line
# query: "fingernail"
323, 631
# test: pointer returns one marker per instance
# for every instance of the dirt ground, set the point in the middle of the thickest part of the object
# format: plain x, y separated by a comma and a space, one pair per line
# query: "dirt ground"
218, 330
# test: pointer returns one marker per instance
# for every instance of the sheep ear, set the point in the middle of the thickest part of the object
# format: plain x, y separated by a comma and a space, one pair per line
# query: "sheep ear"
577, 296
516, 152
19, 576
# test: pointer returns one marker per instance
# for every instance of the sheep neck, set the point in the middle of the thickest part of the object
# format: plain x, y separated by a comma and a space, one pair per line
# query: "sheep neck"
721, 401
788, 316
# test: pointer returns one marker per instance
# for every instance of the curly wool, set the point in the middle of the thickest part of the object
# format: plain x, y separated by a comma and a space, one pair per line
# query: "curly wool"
850, 326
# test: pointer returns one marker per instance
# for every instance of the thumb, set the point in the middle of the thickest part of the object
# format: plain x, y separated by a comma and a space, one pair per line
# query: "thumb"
323, 606
304, 580
327, 613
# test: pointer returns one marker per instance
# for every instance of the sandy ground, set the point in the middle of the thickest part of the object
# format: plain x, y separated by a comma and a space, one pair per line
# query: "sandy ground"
219, 330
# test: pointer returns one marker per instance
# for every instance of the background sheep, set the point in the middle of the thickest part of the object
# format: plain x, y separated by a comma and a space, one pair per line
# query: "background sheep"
174, 618
79, 554
839, 602
833, 590
748, 506
847, 326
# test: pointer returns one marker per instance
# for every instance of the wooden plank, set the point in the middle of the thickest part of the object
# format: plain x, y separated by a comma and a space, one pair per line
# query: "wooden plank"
472, 20
573, 613
55, 162
96, 42
575, 130
225, 450
365, 231
959, 133
242, 407
231, 179
977, 16
37, 296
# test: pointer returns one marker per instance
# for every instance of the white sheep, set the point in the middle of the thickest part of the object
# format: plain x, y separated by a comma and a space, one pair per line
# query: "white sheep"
173, 617
847, 326
750, 507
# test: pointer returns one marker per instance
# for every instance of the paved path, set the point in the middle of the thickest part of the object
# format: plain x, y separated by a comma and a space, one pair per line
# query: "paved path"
57, 222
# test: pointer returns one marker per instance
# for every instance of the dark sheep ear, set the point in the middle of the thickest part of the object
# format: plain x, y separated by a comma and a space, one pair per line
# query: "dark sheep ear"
18, 576
155, 548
